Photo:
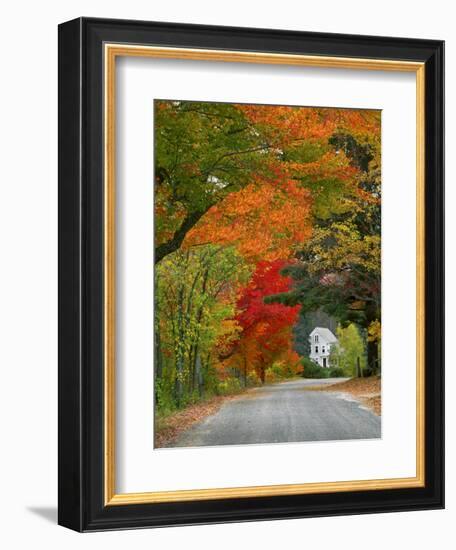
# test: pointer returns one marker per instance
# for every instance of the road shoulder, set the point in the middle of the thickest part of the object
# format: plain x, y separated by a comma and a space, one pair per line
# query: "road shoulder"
365, 390
169, 428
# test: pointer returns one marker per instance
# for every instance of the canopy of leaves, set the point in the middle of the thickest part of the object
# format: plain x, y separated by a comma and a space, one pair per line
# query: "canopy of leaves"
203, 151
339, 266
206, 151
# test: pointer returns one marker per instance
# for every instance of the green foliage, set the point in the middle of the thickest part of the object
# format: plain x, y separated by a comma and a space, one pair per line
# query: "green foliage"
229, 386
312, 370
336, 372
360, 154
339, 268
203, 151
304, 151
192, 321
280, 370
164, 401
193, 141
253, 380
301, 332
327, 194
349, 349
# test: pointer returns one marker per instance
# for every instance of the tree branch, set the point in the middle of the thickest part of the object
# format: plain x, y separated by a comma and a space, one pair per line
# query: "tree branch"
162, 250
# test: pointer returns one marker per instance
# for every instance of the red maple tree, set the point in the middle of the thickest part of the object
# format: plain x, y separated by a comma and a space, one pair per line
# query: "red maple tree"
265, 327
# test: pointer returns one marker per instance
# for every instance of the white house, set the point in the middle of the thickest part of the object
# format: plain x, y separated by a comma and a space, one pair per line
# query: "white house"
321, 340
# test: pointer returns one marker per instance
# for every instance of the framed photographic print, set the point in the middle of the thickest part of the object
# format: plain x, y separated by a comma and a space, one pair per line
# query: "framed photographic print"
251, 313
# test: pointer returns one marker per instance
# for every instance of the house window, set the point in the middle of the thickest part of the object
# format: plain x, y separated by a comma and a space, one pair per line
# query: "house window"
323, 349
316, 349
316, 338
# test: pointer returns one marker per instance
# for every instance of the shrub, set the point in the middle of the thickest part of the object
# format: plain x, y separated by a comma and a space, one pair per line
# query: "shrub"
312, 370
271, 376
336, 372
164, 399
276, 371
229, 386
253, 379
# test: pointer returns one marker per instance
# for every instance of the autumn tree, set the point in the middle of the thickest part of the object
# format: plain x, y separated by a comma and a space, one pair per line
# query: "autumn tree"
195, 296
203, 152
349, 350
206, 151
339, 266
266, 328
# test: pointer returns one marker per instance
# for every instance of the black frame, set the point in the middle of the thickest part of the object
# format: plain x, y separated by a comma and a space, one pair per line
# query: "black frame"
81, 473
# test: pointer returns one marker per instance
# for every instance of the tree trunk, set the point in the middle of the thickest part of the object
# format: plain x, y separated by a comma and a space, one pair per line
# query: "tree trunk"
372, 352
262, 374
359, 371
199, 374
158, 354
178, 381
372, 313
179, 355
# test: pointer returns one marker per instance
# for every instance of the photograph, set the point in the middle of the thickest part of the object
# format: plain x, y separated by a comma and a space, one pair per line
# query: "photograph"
267, 252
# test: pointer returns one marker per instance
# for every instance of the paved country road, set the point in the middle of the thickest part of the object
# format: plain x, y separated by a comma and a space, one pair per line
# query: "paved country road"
284, 412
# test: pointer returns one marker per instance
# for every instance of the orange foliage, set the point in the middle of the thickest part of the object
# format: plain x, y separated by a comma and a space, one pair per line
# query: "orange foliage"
265, 220
287, 124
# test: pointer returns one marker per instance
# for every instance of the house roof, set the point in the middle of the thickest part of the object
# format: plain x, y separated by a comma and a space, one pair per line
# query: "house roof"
325, 333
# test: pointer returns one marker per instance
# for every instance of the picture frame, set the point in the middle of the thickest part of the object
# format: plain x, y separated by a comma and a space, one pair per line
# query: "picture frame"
88, 50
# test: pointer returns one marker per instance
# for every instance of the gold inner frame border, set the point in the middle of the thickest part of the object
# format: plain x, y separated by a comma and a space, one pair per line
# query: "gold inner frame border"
111, 52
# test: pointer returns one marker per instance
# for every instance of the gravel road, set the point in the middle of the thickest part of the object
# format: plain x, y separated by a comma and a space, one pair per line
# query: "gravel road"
284, 412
